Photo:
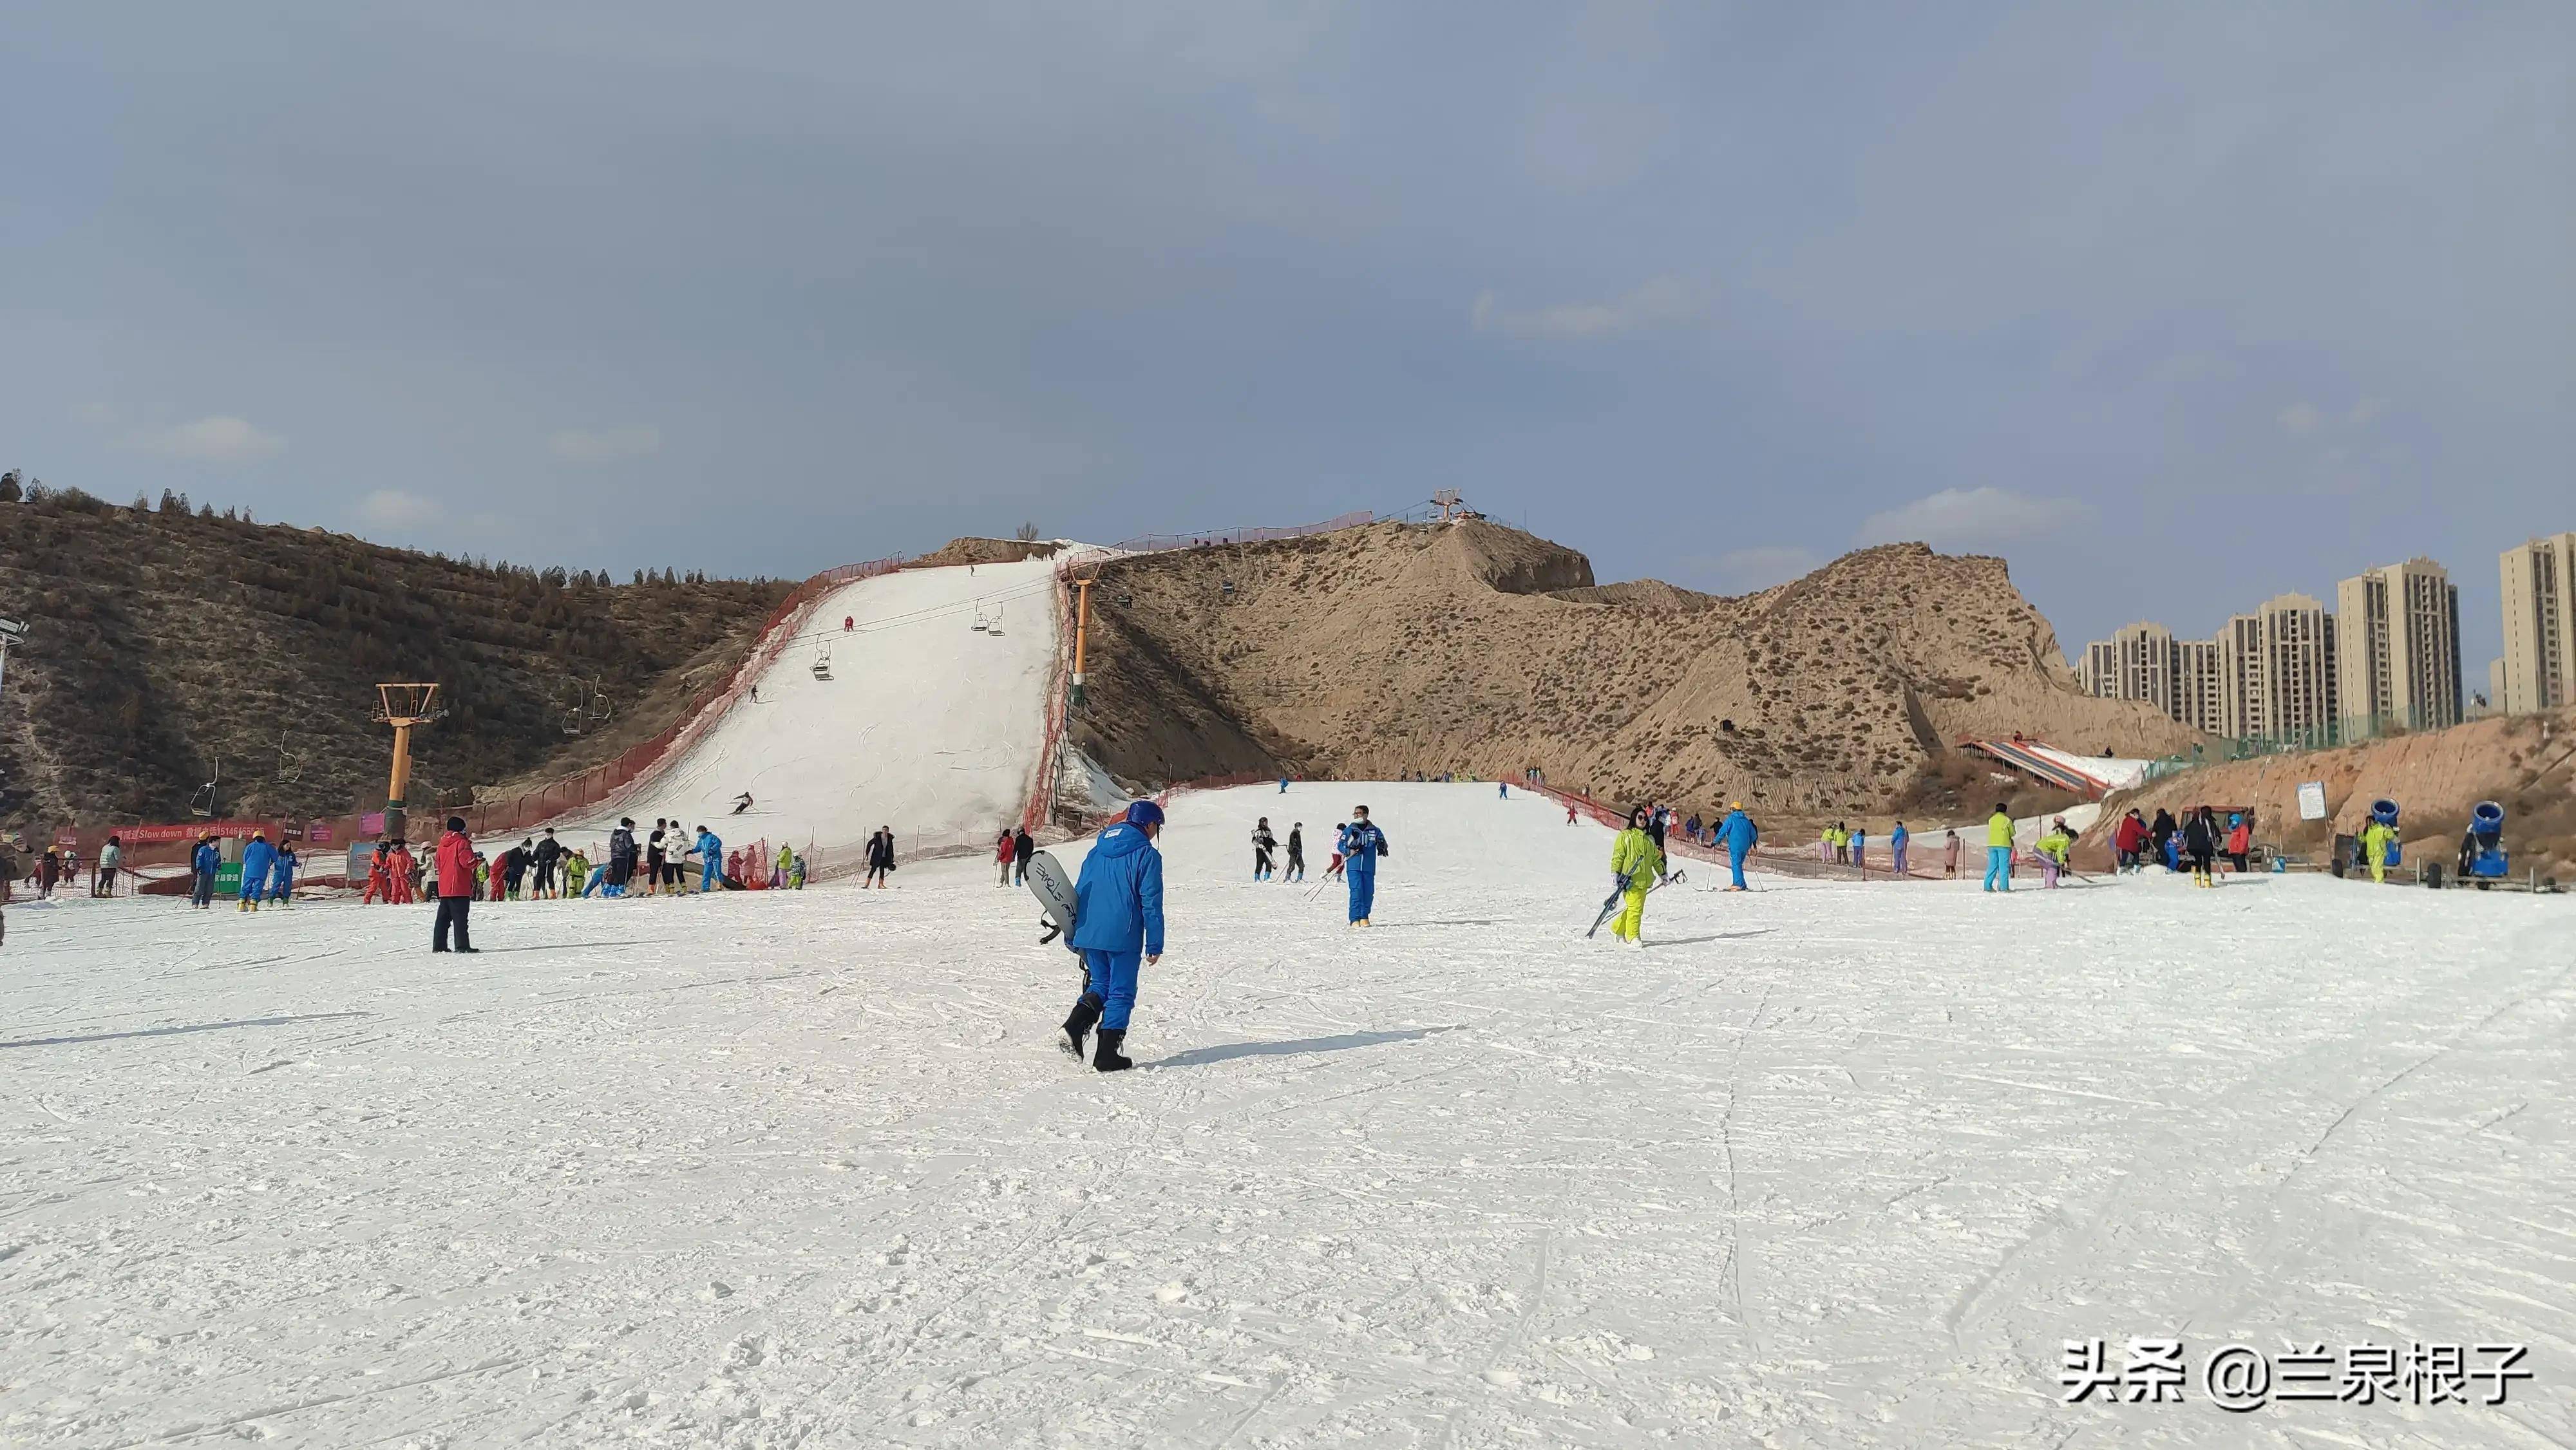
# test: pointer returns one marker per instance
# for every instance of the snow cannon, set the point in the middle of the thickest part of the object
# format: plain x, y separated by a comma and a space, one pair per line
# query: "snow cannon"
2486, 836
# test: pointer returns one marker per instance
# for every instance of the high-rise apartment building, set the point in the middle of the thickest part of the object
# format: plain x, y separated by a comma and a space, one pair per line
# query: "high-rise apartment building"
2276, 671
2397, 640
2539, 669
2197, 699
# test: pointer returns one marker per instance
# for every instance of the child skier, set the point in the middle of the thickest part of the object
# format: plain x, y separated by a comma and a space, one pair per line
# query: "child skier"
281, 877
1296, 853
1263, 843
2053, 850
1950, 854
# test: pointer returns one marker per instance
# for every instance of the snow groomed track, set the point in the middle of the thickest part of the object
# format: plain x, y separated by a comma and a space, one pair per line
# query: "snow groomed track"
1825, 1165
927, 724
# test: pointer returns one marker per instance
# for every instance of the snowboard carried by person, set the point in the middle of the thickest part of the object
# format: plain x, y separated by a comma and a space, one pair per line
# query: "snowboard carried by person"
1056, 899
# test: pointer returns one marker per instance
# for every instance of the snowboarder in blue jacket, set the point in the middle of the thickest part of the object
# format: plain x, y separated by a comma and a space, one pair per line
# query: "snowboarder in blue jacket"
1117, 923
1362, 843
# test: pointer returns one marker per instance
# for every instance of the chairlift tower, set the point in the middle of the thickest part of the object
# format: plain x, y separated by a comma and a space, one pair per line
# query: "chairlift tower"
402, 706
1450, 503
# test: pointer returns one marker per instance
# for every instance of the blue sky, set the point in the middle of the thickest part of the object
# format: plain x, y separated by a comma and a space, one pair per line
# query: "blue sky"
2175, 306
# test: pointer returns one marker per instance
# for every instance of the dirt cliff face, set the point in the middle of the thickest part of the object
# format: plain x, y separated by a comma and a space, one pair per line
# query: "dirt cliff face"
1473, 647
165, 642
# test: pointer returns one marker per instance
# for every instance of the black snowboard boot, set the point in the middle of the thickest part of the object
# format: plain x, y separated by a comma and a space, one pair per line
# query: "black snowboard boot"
1078, 1025
1108, 1058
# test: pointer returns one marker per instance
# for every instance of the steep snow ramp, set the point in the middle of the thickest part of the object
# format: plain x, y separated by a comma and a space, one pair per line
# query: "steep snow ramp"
926, 723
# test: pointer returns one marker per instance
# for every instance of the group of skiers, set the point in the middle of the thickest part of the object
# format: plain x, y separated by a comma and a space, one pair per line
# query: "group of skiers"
1265, 847
2194, 844
1844, 845
267, 872
57, 866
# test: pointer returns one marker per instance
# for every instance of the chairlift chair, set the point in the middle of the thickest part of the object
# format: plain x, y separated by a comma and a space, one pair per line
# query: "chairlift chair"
823, 661
981, 624
994, 625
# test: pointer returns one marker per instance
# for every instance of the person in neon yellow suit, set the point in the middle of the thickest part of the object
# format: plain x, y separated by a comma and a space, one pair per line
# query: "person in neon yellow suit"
1638, 863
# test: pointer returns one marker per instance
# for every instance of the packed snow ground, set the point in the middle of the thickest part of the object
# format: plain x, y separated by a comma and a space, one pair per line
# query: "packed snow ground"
927, 724
1827, 1164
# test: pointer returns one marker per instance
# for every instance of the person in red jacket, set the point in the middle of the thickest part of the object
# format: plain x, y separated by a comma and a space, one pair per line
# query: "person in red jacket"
2240, 841
2129, 839
455, 886
399, 865
1002, 854
380, 876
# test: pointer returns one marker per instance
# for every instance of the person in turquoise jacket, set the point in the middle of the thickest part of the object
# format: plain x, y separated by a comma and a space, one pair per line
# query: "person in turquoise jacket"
1896, 843
1738, 835
710, 859
1117, 926
1999, 849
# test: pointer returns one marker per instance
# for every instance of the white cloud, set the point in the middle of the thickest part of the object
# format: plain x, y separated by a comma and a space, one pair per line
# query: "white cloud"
218, 438
1763, 565
2365, 410
582, 445
1966, 518
2300, 419
1663, 302
393, 508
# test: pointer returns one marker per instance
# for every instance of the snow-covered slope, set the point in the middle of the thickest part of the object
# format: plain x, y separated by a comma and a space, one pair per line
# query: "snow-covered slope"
1827, 1164
926, 725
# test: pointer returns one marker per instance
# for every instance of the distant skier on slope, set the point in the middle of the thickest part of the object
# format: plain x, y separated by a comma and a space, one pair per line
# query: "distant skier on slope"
1118, 925
1362, 845
742, 803
1024, 848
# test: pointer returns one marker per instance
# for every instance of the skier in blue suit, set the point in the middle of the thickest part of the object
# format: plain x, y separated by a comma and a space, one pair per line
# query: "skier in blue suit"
1738, 835
203, 862
257, 857
710, 860
1117, 924
1362, 843
281, 877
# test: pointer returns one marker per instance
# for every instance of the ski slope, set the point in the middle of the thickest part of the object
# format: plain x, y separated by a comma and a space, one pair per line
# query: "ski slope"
1826, 1164
927, 725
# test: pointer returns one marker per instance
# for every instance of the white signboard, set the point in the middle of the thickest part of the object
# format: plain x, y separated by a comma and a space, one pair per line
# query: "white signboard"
2312, 800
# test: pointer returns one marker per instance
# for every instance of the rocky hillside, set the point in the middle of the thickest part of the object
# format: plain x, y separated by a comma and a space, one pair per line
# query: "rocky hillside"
1403, 647
164, 640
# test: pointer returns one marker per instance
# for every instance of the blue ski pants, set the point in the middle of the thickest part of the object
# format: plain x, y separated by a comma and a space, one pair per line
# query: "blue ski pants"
707, 877
1735, 865
1113, 981
1999, 868
1363, 889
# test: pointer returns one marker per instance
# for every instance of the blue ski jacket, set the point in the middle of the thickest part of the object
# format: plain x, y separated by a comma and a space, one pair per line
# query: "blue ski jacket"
1361, 844
1118, 903
1737, 834
207, 857
257, 857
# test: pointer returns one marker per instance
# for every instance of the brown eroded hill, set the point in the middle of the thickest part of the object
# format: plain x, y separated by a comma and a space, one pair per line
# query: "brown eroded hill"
163, 641
1393, 648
